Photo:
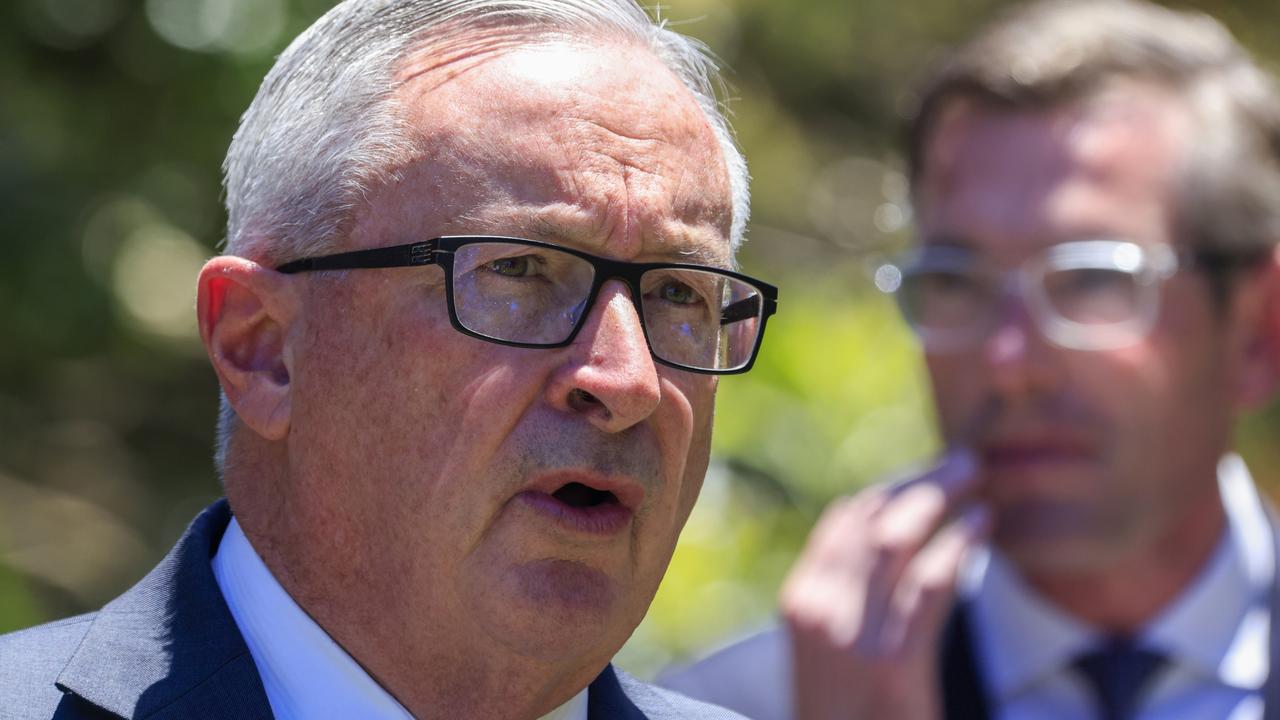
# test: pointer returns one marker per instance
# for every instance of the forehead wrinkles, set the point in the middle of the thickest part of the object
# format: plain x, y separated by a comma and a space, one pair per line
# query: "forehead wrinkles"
641, 172
603, 127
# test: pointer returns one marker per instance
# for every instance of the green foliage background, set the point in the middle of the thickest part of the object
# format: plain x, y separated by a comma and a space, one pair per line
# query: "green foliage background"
114, 118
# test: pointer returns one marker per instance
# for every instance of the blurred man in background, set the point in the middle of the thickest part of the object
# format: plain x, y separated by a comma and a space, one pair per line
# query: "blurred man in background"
476, 297
1097, 191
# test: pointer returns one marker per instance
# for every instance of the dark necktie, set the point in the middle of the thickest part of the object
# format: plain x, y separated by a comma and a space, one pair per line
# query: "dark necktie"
1118, 672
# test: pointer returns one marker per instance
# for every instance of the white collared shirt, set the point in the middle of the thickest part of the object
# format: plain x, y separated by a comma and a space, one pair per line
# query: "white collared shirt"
305, 673
1216, 635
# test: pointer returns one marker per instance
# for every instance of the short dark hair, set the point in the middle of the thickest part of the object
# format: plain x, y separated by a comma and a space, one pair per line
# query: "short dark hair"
1044, 54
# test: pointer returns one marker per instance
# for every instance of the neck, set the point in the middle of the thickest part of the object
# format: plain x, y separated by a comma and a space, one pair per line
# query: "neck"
466, 682
435, 672
1125, 595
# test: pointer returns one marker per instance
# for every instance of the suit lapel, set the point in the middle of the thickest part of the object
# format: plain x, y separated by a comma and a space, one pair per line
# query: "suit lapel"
964, 695
168, 647
606, 699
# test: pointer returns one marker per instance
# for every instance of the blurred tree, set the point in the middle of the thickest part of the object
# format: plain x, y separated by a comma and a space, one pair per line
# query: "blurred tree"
115, 118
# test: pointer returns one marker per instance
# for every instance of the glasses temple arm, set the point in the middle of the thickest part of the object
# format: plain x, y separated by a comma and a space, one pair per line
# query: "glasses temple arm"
743, 309
398, 256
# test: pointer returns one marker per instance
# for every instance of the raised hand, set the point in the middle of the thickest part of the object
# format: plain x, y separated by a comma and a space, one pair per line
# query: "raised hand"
865, 603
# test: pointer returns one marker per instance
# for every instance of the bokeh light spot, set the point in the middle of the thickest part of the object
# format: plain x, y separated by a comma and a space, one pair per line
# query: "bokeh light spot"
154, 280
239, 26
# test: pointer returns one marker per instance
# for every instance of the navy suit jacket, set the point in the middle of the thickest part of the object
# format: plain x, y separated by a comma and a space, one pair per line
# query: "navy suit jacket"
169, 648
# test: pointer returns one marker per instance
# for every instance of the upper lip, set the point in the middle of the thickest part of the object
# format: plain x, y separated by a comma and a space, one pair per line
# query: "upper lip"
627, 490
1054, 442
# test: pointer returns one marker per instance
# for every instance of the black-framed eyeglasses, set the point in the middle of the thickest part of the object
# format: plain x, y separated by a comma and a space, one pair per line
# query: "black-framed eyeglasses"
526, 293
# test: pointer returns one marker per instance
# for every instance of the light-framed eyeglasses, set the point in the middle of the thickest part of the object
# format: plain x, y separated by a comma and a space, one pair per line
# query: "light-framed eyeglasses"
1082, 295
528, 293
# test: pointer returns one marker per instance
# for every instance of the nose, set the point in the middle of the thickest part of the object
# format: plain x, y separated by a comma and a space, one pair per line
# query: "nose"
1018, 358
609, 375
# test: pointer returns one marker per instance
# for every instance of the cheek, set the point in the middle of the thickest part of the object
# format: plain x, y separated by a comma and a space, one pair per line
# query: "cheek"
1177, 389
491, 393
372, 389
1179, 367
956, 390
700, 397
684, 425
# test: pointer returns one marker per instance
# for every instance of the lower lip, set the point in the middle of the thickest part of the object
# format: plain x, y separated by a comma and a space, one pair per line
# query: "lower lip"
1028, 458
606, 519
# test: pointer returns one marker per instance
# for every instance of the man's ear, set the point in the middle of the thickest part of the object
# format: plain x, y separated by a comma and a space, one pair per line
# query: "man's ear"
1260, 304
245, 311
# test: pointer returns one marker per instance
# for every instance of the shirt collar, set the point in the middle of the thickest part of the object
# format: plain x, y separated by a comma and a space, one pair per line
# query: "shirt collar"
1022, 638
305, 673
1217, 627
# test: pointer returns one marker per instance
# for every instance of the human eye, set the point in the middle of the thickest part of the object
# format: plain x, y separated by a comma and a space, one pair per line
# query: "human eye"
510, 264
1094, 279
944, 298
948, 283
945, 271
1089, 285
515, 266
1093, 295
679, 293
689, 289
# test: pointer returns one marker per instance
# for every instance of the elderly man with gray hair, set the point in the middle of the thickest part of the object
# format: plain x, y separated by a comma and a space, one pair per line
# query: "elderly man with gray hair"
1097, 195
478, 290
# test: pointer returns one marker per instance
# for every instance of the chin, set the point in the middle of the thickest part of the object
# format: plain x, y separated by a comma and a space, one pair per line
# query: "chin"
560, 610
1052, 556
1053, 539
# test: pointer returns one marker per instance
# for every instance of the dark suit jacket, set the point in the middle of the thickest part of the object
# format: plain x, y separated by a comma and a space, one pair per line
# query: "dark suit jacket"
169, 648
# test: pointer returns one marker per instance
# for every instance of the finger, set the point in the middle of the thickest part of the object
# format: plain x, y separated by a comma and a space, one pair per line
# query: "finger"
824, 593
931, 588
918, 506
902, 527
828, 545
848, 515
955, 473
847, 576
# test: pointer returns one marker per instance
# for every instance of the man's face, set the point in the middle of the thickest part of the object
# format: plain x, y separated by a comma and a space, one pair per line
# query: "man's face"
427, 464
1088, 457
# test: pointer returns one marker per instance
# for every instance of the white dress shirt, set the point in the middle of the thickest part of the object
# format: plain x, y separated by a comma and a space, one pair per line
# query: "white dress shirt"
1215, 636
305, 673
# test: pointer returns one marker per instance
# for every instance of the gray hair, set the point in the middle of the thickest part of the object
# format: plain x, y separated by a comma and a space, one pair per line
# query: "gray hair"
323, 129
1057, 51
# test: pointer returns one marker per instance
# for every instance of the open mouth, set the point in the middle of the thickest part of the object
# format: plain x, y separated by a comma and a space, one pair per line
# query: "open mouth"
577, 495
582, 505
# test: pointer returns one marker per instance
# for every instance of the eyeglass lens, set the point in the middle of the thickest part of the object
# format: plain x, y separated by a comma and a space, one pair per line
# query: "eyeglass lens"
537, 295
1093, 296
953, 302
